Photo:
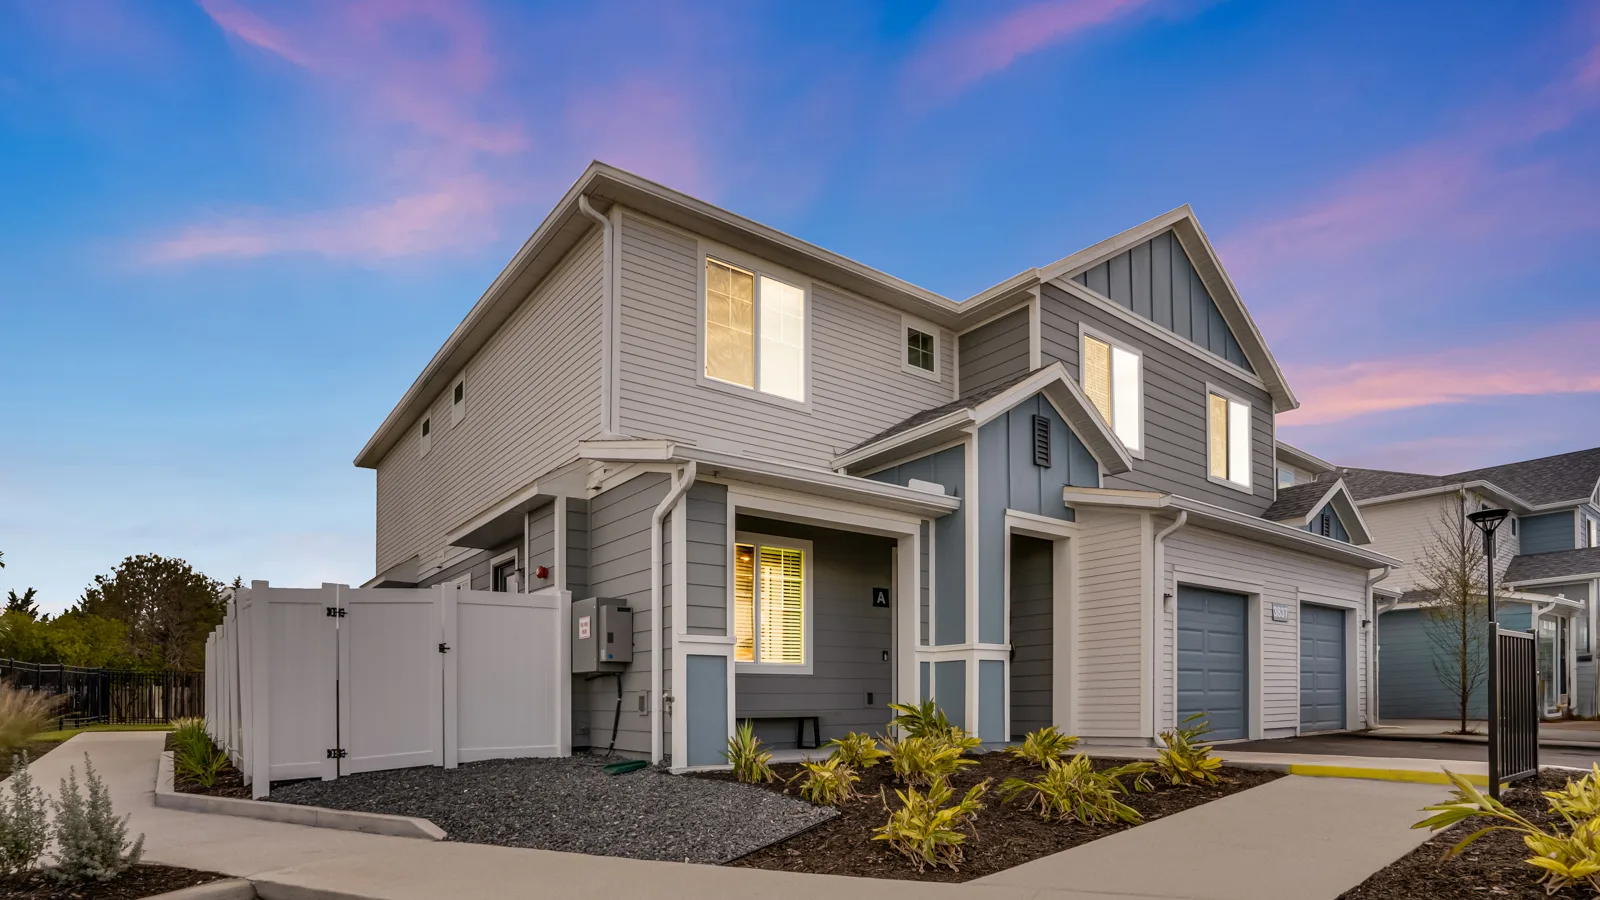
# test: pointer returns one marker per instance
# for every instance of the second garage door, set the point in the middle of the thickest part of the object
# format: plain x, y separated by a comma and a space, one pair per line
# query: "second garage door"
1322, 671
1213, 661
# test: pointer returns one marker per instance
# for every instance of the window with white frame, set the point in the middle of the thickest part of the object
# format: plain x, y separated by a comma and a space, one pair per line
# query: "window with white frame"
1285, 477
755, 331
425, 437
1112, 377
772, 603
458, 400
921, 345
1228, 439
1594, 533
503, 572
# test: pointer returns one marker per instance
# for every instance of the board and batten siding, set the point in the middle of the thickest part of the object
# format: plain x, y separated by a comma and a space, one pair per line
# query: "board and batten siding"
1175, 422
1286, 577
946, 608
1112, 562
532, 393
849, 637
994, 352
857, 387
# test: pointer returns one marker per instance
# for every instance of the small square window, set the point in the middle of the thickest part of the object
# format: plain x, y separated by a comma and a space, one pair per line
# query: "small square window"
458, 401
919, 349
425, 438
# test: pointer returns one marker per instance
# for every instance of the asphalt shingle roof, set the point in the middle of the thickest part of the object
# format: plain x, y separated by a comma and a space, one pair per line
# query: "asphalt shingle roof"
1367, 483
1565, 477
928, 415
1562, 563
1294, 502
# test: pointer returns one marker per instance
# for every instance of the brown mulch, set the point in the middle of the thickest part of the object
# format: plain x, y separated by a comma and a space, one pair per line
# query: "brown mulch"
136, 883
1007, 833
1493, 866
34, 749
229, 783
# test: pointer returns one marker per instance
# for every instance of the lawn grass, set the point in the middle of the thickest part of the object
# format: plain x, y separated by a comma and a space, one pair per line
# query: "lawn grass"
64, 734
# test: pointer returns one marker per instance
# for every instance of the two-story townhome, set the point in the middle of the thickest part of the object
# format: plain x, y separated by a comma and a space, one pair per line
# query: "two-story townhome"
1547, 564
821, 489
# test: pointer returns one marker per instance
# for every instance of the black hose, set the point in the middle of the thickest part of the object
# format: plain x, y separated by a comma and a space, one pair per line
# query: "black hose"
616, 719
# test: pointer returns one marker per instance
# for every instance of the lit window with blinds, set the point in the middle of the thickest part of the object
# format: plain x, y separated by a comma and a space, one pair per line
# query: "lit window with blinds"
755, 331
1228, 436
771, 602
1113, 381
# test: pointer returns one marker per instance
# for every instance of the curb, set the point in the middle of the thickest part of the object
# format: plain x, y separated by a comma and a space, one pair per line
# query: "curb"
1412, 776
226, 889
290, 813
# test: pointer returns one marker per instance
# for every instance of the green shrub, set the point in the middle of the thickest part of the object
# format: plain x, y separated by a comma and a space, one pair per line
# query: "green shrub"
1185, 759
24, 821
858, 751
924, 760
1045, 746
195, 758
91, 842
23, 714
1567, 856
749, 761
919, 721
189, 731
826, 783
928, 832
1075, 790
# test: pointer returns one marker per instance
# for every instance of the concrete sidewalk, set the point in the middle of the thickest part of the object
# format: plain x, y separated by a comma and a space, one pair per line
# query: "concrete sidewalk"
1295, 837
1576, 734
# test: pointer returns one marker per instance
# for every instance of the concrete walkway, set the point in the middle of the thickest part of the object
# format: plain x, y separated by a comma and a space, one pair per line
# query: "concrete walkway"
1577, 734
1295, 837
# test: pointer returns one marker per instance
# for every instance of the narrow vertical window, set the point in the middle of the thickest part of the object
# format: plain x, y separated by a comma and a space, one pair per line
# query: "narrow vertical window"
730, 324
425, 437
1217, 413
458, 401
783, 339
770, 596
744, 603
1113, 380
1228, 439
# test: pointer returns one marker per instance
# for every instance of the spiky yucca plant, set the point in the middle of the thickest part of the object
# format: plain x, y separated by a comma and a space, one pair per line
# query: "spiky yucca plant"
924, 760
858, 751
1186, 758
1076, 790
925, 830
749, 761
827, 783
1044, 746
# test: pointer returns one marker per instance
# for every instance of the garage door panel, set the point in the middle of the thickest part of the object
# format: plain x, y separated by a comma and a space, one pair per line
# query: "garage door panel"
1322, 668
1213, 660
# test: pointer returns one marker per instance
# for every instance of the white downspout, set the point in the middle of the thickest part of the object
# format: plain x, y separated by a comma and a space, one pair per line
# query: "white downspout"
1158, 589
608, 424
1372, 647
657, 612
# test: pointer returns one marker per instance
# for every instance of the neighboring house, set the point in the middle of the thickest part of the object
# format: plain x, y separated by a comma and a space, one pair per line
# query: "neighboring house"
1547, 565
822, 489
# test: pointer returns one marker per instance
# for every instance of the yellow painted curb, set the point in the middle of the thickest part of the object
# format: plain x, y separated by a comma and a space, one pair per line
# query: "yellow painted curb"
1415, 776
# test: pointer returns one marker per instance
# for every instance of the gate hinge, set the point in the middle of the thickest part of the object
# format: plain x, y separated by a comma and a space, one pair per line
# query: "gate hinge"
336, 753
444, 648
335, 612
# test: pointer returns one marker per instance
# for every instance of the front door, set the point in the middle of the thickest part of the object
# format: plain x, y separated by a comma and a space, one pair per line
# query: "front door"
1548, 663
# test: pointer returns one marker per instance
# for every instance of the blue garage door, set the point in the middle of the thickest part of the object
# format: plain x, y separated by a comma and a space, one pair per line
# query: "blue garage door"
1321, 668
1213, 661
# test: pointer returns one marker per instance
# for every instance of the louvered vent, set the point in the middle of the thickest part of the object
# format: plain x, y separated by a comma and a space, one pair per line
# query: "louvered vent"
1041, 441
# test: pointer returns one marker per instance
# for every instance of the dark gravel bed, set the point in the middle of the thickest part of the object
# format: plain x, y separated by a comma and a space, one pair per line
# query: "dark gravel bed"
1494, 866
573, 805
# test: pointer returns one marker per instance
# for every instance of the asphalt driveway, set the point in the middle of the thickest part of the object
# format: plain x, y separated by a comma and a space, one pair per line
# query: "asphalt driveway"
1357, 745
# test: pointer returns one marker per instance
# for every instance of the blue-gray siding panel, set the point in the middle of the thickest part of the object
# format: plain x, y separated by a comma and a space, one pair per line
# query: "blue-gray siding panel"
1213, 660
1408, 685
950, 689
1008, 479
994, 353
948, 467
1327, 523
992, 701
1547, 533
1322, 668
1156, 280
706, 708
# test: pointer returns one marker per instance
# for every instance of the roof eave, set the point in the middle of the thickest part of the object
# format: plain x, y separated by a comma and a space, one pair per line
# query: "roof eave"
1300, 458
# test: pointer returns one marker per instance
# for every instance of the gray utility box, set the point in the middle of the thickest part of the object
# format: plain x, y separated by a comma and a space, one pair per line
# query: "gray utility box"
602, 634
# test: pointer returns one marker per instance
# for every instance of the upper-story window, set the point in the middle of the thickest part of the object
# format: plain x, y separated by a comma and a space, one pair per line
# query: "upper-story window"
1285, 477
458, 400
921, 347
425, 437
1228, 439
1594, 533
755, 331
1113, 380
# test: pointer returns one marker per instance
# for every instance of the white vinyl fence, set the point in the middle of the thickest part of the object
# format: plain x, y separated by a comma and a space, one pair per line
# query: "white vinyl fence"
330, 681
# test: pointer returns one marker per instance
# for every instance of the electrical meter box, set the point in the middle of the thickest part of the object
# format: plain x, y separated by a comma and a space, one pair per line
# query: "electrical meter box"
602, 634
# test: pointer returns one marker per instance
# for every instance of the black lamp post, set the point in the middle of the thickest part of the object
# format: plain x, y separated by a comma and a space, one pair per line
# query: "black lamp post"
1487, 520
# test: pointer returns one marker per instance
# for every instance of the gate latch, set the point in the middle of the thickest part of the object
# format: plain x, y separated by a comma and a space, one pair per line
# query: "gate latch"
444, 648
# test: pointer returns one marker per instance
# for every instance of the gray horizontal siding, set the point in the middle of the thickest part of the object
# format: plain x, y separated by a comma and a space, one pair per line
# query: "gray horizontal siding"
1409, 686
1156, 280
707, 549
995, 352
1548, 533
1174, 408
541, 547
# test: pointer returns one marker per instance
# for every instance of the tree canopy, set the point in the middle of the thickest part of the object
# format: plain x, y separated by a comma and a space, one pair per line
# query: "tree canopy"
165, 605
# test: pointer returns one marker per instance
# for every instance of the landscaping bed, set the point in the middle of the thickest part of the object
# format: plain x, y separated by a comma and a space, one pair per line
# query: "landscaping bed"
228, 783
1007, 834
1493, 866
571, 804
34, 749
136, 883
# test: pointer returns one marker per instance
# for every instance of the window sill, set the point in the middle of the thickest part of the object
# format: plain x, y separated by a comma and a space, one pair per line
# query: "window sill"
1241, 488
920, 372
739, 390
755, 668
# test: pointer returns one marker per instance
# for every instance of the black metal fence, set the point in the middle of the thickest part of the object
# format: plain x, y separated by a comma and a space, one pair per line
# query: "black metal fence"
111, 696
1516, 753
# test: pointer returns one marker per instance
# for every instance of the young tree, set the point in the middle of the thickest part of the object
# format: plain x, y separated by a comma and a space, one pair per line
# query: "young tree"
166, 605
24, 604
1451, 571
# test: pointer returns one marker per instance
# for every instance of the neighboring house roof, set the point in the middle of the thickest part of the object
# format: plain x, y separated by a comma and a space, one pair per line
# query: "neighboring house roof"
1294, 456
1584, 563
1563, 478
1365, 484
1296, 505
941, 424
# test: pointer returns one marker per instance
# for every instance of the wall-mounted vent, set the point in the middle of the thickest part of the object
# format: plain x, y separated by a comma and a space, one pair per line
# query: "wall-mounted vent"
1041, 441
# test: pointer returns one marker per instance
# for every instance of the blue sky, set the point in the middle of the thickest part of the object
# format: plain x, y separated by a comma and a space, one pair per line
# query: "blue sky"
231, 233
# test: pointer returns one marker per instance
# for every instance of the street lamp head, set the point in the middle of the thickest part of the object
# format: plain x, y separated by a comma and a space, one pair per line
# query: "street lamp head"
1488, 520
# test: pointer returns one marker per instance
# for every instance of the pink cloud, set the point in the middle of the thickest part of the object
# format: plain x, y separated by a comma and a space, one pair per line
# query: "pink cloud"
1557, 360
950, 64
644, 125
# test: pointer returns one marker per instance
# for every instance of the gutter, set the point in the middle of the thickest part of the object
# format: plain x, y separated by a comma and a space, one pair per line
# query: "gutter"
608, 289
1158, 607
1372, 646
684, 480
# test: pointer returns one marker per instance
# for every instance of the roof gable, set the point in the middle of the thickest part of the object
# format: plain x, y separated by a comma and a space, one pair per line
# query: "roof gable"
1156, 280
1302, 503
1563, 478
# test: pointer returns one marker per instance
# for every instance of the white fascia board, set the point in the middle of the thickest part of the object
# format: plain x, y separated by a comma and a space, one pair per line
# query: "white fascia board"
1073, 406
1294, 456
930, 429
1534, 597
517, 504
1554, 579
1512, 500
627, 450
823, 482
1111, 246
